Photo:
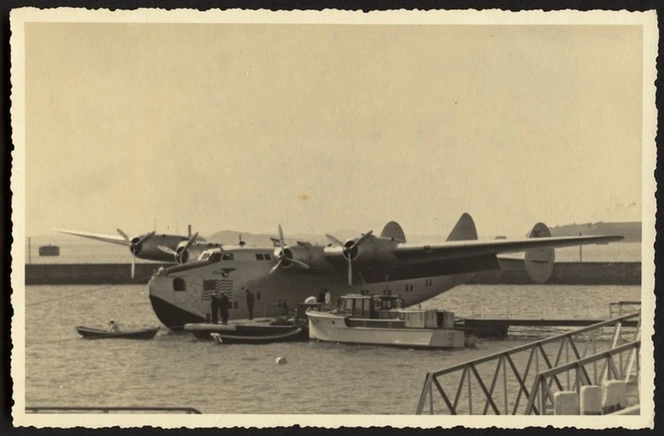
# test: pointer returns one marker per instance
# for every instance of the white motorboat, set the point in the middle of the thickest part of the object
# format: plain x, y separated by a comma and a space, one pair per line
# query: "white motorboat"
365, 319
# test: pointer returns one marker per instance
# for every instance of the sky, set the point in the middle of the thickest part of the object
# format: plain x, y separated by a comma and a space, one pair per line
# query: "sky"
325, 127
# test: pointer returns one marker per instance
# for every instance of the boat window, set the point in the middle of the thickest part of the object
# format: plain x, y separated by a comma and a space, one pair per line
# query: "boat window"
205, 256
348, 306
259, 256
228, 256
179, 284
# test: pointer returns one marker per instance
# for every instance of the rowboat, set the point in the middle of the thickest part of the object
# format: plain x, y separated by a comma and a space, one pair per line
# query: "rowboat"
291, 335
92, 333
255, 329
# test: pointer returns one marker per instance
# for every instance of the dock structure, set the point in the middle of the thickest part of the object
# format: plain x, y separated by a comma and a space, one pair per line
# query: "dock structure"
565, 374
111, 409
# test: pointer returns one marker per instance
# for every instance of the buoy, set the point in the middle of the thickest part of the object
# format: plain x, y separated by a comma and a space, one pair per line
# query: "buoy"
281, 360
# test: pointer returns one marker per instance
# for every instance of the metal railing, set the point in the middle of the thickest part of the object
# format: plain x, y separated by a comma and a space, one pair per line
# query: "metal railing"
102, 409
499, 382
621, 308
543, 384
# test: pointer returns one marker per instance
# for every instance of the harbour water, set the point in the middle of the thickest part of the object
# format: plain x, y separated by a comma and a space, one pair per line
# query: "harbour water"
320, 378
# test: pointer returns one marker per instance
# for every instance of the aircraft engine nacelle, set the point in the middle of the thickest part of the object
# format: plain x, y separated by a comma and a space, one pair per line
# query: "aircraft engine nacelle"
184, 254
290, 255
148, 248
311, 256
538, 262
370, 251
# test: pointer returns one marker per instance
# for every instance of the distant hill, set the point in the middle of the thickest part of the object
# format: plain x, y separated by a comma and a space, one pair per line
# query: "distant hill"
630, 230
232, 237
263, 239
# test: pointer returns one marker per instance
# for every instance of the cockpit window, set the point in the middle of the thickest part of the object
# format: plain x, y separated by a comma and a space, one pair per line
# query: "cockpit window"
215, 257
228, 256
205, 256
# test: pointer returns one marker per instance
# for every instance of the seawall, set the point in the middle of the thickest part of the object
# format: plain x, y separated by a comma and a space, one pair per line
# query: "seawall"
569, 273
89, 273
564, 273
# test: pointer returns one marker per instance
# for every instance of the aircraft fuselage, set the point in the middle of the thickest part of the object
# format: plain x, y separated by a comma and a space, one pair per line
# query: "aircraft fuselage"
181, 294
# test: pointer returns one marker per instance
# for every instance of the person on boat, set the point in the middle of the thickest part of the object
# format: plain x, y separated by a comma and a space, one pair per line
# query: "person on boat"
250, 304
113, 327
321, 296
224, 304
214, 306
328, 297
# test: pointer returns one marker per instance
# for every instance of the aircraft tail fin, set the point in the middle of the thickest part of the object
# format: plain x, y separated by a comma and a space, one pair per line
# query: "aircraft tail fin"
464, 230
394, 231
539, 261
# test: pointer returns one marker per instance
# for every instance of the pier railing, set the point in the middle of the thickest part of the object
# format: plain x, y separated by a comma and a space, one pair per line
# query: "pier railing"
508, 382
102, 409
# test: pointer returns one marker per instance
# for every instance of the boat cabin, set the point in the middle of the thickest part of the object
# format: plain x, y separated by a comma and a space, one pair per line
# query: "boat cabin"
368, 306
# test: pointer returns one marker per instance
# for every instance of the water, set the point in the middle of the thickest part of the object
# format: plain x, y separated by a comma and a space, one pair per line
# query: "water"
176, 370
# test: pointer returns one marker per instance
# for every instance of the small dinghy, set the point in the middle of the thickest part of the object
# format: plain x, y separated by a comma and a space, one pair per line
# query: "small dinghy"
91, 333
226, 338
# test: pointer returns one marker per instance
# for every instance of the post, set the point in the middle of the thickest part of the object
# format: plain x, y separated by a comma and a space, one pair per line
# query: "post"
189, 231
29, 251
580, 251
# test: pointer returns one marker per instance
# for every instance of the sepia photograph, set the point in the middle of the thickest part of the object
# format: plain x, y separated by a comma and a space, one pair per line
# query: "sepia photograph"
333, 218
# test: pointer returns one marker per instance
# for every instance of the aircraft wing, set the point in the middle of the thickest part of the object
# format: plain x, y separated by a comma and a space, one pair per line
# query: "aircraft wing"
471, 248
114, 239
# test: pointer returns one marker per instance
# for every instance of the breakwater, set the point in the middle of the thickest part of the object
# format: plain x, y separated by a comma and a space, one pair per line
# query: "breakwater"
569, 273
564, 273
89, 273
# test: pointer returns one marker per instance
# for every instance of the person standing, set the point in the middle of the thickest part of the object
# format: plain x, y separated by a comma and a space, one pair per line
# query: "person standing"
214, 305
328, 297
224, 304
250, 304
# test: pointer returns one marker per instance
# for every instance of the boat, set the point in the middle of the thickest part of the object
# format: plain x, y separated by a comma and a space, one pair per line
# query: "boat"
381, 320
263, 330
294, 334
49, 250
93, 333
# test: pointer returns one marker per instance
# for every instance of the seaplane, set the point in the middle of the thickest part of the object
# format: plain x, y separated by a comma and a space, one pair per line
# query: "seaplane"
280, 275
152, 246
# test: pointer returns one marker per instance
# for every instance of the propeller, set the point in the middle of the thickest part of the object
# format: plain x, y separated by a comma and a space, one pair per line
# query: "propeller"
123, 234
334, 240
167, 250
285, 255
181, 255
135, 247
350, 251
